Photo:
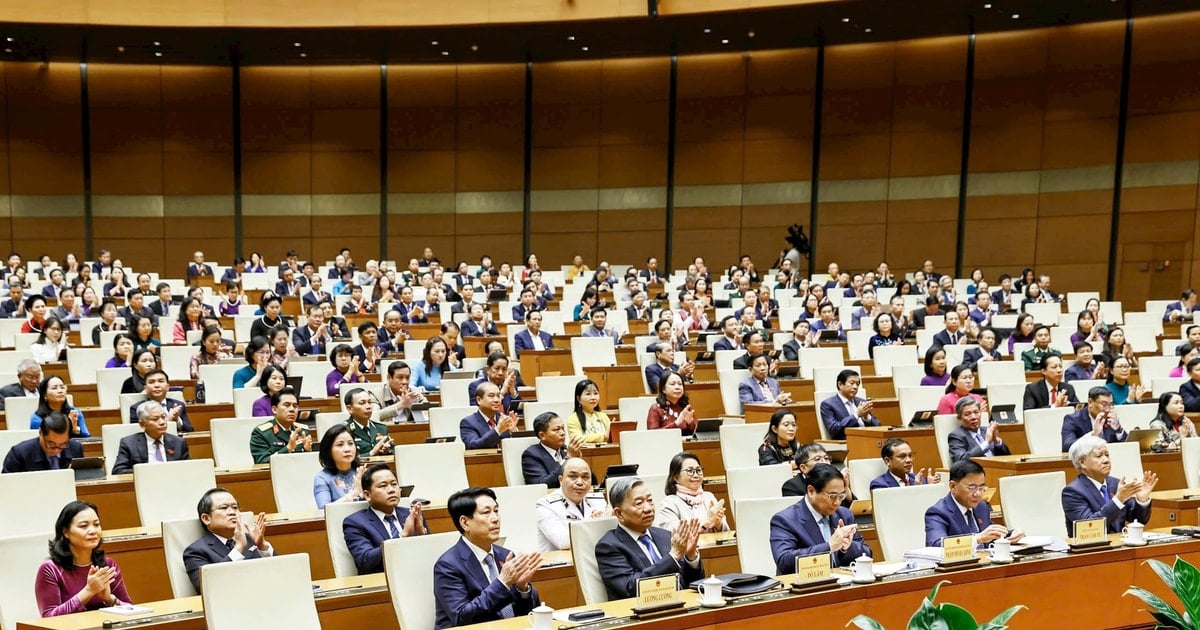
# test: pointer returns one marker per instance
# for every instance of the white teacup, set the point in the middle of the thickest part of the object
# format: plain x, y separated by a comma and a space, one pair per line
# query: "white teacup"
863, 568
711, 591
542, 618
1134, 532
1001, 550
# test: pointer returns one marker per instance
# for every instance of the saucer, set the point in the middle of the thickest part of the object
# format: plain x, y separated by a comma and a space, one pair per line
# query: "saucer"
720, 604
858, 580
1129, 543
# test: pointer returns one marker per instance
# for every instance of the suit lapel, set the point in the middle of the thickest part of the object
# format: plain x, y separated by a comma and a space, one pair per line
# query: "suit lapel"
640, 560
807, 522
467, 557
140, 449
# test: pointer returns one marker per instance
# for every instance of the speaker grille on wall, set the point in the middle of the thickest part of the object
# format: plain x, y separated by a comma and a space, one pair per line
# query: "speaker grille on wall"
652, 8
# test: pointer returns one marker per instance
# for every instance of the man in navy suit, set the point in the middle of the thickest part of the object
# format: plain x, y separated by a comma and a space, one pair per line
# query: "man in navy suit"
963, 510
477, 580
288, 285
968, 439
730, 339
228, 539
898, 457
153, 444
487, 426
847, 409
197, 267
479, 324
542, 462
634, 549
664, 363
637, 310
316, 294
1177, 311
532, 338
410, 311
817, 524
1095, 494
985, 352
365, 531
1098, 418
313, 337
498, 373
529, 304
1190, 391
1050, 390
953, 334
52, 449
759, 387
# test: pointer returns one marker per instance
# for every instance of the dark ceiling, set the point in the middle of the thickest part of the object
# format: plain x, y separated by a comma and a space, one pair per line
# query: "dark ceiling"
849, 21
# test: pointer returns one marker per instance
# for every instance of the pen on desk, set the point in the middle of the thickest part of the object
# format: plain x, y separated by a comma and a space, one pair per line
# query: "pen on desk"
548, 565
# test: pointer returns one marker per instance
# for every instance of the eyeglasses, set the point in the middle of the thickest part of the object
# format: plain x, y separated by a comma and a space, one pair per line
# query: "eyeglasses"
819, 458
835, 496
693, 472
974, 489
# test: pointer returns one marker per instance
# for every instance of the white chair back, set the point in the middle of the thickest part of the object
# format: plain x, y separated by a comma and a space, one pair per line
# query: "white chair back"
887, 356
314, 373
584, 536
445, 421
518, 516
1191, 461
34, 500
177, 361
561, 408
1082, 387
110, 437
454, 392
1033, 503
754, 515
900, 517
224, 586
729, 381
592, 352
1043, 430
19, 411
819, 357
556, 388
943, 424
82, 363
218, 381
999, 372
12, 437
635, 408
510, 455
907, 375
243, 401
408, 565
862, 472
376, 390
1137, 416
1126, 460
292, 480
651, 450
108, 386
914, 399
435, 470
740, 442
22, 557
339, 553
1009, 394
169, 491
231, 441
758, 482
177, 534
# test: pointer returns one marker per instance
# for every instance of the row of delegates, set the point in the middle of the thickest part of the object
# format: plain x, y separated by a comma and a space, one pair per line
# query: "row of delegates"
78, 576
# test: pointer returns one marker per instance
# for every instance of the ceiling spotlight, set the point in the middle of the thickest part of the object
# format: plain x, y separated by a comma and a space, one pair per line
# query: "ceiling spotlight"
303, 55
445, 53
157, 44
433, 43
120, 49
987, 6
584, 48
750, 33
296, 44
10, 39
1016, 16
157, 54
474, 47
867, 30
845, 20
724, 41
707, 31
8, 50
570, 38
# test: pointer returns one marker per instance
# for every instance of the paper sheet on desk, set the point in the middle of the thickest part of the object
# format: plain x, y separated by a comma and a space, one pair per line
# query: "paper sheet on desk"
128, 610
884, 569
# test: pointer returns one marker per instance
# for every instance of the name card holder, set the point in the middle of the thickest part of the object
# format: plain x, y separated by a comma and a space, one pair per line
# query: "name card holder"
1090, 535
814, 573
658, 596
958, 553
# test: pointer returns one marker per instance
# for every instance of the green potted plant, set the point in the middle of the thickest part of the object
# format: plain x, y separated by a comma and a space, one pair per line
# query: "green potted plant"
1184, 580
941, 616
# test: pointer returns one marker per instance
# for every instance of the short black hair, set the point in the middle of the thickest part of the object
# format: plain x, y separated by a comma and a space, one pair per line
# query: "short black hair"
820, 475
55, 423
205, 505
964, 467
889, 447
845, 375
371, 471
542, 422
464, 503
396, 366
286, 391
1045, 360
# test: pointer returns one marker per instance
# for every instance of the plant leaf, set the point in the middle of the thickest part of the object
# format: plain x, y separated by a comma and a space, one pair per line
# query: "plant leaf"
934, 591
1157, 604
1187, 586
1167, 623
957, 617
1164, 572
999, 622
926, 616
865, 623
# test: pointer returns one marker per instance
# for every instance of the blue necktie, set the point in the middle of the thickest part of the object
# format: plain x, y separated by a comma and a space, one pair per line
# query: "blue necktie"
649, 545
1104, 491
391, 523
494, 575
53, 462
825, 531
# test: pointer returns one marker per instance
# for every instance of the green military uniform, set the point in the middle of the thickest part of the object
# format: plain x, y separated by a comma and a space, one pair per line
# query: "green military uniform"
365, 438
1032, 358
271, 437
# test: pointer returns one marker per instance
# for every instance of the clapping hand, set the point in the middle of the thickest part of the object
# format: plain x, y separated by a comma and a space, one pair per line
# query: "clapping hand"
683, 539
842, 537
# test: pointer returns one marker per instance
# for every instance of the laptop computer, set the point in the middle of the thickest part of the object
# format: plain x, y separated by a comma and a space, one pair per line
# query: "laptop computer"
828, 335
922, 419
1004, 414
440, 439
1144, 437
88, 468
295, 382
616, 471
790, 369
708, 429
705, 356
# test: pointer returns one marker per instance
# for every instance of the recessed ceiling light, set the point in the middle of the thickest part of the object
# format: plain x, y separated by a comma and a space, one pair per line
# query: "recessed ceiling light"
8, 50
570, 38
867, 30
987, 6
750, 33
445, 53
584, 49
157, 54
157, 44
845, 20
724, 41
302, 55
296, 44
433, 43
474, 47
120, 49
1016, 16
10, 38
707, 31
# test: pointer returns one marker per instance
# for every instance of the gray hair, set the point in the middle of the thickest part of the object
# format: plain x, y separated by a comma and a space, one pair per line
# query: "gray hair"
961, 406
28, 364
620, 488
144, 409
1084, 447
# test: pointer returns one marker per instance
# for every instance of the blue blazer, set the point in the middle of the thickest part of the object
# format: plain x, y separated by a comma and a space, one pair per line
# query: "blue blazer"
28, 456
963, 445
1082, 500
837, 418
471, 329
406, 310
795, 533
365, 536
476, 433
655, 372
886, 480
464, 595
1079, 424
302, 339
750, 392
724, 344
622, 562
474, 385
944, 519
524, 341
537, 466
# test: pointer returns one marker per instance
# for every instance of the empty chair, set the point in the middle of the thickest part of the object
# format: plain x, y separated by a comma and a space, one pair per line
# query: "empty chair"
1082, 387
754, 515
454, 393
907, 375
635, 408
1161, 385
12, 437
510, 456
651, 450
584, 536
314, 373
292, 480
82, 363
1009, 394
444, 421
339, 553
22, 557
108, 385
52, 489
1000, 372
914, 399
1043, 430
218, 381
759, 482
561, 408
729, 390
177, 534
819, 357
225, 586
556, 388
376, 390
887, 356
19, 411
740, 442
231, 441
862, 472
1190, 450
169, 491
1033, 503
592, 352
408, 566
435, 470
943, 424
900, 517
1126, 460
243, 401
1136, 416
518, 526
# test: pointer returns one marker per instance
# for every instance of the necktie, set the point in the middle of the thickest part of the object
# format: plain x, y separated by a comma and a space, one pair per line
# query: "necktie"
408, 415
494, 575
492, 422
158, 451
1053, 395
1105, 493
229, 544
53, 462
825, 531
766, 391
391, 523
649, 545
906, 481
852, 409
971, 529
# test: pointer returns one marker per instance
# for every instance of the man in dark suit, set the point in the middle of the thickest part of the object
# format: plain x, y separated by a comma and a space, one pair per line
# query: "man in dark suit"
898, 457
162, 307
932, 307
1190, 391
664, 363
14, 304
383, 520
730, 339
477, 580
288, 285
801, 338
1097, 418
953, 334
313, 337
157, 387
985, 352
634, 549
488, 426
637, 310
542, 462
529, 304
817, 524
1002, 297
525, 340
1050, 390
29, 374
1096, 494
136, 307
197, 268
153, 444
52, 449
410, 311
650, 274
759, 387
963, 511
479, 324
228, 539
315, 294
498, 373
968, 440
847, 409
1183, 309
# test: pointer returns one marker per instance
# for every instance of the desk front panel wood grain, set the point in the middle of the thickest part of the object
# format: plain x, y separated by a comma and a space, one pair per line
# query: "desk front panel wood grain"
535, 363
865, 442
615, 382
1174, 508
